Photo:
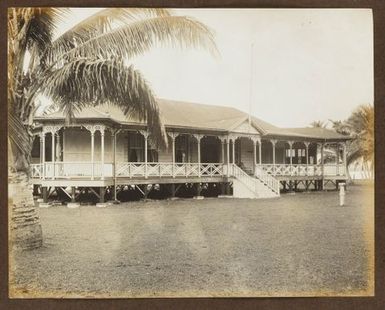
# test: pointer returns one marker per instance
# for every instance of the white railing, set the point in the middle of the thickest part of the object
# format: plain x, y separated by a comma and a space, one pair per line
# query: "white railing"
37, 171
66, 170
234, 171
334, 170
59, 170
132, 170
302, 170
253, 182
264, 172
267, 179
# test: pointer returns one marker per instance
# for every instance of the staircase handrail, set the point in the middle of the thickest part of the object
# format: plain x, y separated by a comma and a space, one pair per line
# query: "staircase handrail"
267, 179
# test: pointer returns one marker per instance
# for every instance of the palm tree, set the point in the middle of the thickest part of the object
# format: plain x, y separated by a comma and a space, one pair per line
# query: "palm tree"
318, 124
360, 127
329, 153
87, 65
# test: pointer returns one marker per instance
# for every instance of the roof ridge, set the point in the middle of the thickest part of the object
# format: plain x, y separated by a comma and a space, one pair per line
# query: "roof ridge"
199, 103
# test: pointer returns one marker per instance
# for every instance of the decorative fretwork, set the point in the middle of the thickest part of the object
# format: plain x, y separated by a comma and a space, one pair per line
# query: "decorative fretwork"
173, 135
51, 129
144, 133
294, 170
92, 128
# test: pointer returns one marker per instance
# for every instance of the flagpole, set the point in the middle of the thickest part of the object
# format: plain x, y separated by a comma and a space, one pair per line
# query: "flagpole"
251, 82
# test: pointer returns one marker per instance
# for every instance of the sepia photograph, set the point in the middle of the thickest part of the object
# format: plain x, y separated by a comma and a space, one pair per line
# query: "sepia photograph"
169, 152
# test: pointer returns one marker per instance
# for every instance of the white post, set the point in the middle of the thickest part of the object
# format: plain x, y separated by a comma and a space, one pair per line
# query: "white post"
322, 165
53, 145
145, 155
342, 194
199, 137
337, 159
228, 156
102, 152
42, 137
273, 142
254, 156
173, 149
291, 156
260, 151
307, 157
92, 152
173, 155
345, 161
113, 137
233, 150
222, 151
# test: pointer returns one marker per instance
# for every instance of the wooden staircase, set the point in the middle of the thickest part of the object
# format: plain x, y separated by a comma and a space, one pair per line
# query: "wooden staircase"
261, 185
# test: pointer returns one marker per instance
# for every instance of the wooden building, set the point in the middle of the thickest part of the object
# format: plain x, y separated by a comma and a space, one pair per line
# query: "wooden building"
208, 145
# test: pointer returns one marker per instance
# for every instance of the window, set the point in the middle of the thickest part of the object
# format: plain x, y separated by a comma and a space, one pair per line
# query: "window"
301, 153
288, 152
136, 140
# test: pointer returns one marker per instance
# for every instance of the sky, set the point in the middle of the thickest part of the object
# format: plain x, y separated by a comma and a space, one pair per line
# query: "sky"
305, 64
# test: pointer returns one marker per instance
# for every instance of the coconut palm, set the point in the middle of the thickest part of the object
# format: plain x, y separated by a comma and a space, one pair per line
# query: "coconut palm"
360, 127
318, 124
90, 64
329, 153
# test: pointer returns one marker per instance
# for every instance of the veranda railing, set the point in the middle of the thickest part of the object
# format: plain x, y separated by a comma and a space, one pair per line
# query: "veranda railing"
303, 170
265, 172
50, 170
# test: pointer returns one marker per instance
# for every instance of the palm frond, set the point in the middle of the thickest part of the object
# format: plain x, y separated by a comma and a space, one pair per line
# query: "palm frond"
83, 83
42, 26
318, 124
98, 23
138, 37
19, 135
354, 156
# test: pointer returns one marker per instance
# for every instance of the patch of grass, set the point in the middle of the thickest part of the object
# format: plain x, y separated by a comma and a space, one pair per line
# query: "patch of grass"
302, 244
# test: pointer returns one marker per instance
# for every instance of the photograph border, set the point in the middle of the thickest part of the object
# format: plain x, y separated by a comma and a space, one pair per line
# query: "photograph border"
376, 302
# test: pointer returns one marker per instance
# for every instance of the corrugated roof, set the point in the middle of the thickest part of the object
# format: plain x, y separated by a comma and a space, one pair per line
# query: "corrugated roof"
180, 114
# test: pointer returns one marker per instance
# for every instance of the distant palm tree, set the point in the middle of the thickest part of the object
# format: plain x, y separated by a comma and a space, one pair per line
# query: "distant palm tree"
87, 65
360, 127
329, 152
318, 124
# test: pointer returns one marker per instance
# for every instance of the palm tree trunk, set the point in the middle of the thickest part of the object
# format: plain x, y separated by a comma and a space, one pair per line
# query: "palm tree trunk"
25, 229
24, 225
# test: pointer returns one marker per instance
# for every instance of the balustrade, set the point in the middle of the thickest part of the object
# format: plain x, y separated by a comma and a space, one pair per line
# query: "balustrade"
60, 170
302, 170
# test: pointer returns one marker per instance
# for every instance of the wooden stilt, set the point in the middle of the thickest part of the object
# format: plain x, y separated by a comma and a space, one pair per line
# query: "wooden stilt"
223, 188
145, 191
199, 189
35, 190
172, 190
45, 194
228, 188
73, 194
102, 194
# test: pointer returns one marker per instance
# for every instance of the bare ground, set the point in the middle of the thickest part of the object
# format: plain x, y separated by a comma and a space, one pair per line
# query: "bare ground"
302, 244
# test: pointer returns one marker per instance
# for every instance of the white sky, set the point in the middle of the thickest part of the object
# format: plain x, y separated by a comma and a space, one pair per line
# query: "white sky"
308, 64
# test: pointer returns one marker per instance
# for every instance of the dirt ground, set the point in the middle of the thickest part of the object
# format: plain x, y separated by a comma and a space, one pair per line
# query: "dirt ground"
302, 244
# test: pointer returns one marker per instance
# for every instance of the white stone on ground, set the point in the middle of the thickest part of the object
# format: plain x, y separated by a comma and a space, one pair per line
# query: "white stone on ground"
44, 205
73, 205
